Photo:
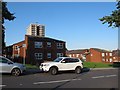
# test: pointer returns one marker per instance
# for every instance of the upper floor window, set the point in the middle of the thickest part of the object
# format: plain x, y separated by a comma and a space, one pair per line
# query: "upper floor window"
38, 44
48, 44
38, 56
106, 54
110, 54
103, 54
16, 47
59, 45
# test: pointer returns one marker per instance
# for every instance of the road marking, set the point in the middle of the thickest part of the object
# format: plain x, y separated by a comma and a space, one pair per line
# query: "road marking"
111, 75
104, 76
2, 85
98, 77
56, 81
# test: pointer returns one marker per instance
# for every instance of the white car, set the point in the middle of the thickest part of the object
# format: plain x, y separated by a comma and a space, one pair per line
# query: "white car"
62, 64
7, 66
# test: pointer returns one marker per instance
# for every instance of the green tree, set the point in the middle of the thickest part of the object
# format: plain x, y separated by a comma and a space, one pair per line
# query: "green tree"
114, 18
6, 15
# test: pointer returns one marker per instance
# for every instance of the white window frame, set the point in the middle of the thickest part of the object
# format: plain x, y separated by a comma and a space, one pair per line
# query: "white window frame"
70, 55
111, 59
114, 57
38, 56
59, 45
103, 59
59, 54
91, 54
48, 44
77, 55
49, 55
103, 54
107, 60
106, 54
110, 54
38, 44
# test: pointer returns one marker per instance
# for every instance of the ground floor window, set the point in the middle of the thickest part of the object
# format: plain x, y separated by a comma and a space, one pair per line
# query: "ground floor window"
38, 56
110, 59
59, 54
48, 55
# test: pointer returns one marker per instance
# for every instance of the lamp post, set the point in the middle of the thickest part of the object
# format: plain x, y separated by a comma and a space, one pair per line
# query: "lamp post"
24, 45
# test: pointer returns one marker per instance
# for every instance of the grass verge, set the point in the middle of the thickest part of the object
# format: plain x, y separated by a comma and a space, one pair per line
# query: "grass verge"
97, 65
29, 66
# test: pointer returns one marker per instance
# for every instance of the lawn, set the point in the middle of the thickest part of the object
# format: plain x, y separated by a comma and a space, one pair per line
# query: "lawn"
29, 66
97, 65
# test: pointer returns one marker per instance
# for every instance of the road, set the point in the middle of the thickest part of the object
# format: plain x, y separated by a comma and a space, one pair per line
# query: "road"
87, 79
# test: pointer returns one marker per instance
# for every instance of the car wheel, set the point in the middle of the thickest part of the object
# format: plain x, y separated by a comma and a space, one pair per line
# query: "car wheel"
53, 71
16, 72
78, 70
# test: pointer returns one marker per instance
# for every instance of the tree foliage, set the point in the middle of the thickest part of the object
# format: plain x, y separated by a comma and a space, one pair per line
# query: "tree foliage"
6, 15
114, 18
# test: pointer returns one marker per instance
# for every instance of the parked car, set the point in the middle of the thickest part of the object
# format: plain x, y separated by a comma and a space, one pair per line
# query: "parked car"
62, 64
7, 66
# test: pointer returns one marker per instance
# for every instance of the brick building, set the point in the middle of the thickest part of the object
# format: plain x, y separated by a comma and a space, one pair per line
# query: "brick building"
99, 55
80, 53
116, 55
37, 49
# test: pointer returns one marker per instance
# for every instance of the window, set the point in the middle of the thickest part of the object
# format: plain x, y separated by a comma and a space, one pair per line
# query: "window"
110, 54
107, 60
77, 55
106, 54
59, 54
16, 47
59, 45
3, 60
48, 44
91, 54
70, 55
103, 54
38, 45
48, 55
38, 56
74, 60
103, 59
73, 55
114, 57
110, 59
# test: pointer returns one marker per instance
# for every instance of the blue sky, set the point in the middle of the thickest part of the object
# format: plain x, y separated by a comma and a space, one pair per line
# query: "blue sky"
76, 23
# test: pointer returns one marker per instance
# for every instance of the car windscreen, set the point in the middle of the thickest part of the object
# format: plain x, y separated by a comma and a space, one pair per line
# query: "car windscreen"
57, 59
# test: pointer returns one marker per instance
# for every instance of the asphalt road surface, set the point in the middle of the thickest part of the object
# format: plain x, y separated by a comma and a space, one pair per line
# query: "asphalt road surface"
87, 79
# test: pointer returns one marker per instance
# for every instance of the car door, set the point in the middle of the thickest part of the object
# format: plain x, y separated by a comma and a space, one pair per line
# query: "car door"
65, 64
6, 65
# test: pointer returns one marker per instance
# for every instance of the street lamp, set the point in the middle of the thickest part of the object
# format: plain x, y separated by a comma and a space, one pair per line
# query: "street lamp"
24, 45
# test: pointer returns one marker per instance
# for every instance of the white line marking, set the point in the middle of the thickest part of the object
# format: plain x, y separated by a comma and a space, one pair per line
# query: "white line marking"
111, 75
56, 81
104, 76
98, 77
2, 85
